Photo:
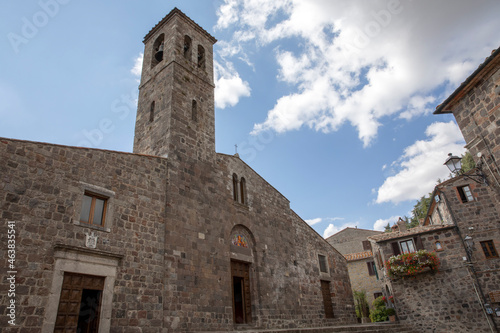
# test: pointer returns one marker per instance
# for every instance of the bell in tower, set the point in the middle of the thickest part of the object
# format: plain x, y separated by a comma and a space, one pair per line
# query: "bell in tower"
159, 53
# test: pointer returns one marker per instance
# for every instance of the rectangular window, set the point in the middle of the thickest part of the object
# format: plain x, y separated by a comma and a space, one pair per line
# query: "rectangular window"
367, 246
323, 267
377, 295
465, 193
371, 268
407, 246
93, 209
489, 249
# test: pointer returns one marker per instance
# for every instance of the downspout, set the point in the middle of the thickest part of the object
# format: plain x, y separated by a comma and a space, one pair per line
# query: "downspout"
471, 267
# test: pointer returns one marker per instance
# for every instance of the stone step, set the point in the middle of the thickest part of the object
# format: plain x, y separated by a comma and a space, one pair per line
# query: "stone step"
363, 328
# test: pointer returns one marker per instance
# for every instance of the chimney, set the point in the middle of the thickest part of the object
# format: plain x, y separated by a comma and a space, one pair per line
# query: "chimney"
402, 225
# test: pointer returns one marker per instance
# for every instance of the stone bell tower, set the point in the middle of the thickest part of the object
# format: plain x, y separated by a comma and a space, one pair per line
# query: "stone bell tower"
175, 114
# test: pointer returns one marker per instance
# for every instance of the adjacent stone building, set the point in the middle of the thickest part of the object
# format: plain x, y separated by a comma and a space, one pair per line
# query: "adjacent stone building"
353, 243
476, 107
462, 225
173, 237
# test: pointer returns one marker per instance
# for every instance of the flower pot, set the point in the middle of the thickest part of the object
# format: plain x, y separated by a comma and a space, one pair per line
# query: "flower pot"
392, 318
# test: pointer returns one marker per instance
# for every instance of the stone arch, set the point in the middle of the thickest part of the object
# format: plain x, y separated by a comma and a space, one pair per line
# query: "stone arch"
187, 47
201, 57
157, 52
242, 244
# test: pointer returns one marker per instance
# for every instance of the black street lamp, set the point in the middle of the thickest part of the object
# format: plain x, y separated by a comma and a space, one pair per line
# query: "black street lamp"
454, 164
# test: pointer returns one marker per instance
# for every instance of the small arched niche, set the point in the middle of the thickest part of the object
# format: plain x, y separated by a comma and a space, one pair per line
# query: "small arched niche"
187, 48
194, 110
201, 57
157, 52
152, 112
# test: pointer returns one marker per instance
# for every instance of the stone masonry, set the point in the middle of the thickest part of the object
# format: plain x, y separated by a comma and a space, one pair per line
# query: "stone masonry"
440, 302
476, 107
192, 240
349, 242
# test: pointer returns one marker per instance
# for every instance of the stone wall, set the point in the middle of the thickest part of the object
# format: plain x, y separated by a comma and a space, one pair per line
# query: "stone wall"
41, 189
284, 270
480, 220
478, 115
362, 281
350, 240
444, 301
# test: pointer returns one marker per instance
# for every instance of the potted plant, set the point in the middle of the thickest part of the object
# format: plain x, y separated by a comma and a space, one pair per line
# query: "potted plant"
391, 299
379, 312
361, 306
392, 314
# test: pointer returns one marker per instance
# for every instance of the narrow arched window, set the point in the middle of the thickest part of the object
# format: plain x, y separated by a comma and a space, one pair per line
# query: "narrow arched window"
152, 112
235, 187
157, 52
201, 57
243, 190
187, 47
194, 111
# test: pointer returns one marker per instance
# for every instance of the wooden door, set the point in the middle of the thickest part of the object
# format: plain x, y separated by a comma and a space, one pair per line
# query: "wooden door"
79, 304
242, 306
327, 299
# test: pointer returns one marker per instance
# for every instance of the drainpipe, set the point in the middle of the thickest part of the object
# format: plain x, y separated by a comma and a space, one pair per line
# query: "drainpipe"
470, 266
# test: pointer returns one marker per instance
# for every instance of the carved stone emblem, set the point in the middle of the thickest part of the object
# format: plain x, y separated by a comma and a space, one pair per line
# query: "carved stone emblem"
91, 240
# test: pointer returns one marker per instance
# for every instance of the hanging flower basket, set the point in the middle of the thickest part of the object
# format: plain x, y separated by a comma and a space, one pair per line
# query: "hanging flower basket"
411, 264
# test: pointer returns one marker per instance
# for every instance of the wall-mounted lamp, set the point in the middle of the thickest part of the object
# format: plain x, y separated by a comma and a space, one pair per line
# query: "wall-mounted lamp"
454, 164
469, 244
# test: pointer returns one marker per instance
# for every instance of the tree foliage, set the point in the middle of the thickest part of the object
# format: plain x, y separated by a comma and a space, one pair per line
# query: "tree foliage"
361, 304
467, 162
419, 210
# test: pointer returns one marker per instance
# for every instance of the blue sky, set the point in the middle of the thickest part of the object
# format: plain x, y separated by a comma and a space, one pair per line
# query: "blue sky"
330, 101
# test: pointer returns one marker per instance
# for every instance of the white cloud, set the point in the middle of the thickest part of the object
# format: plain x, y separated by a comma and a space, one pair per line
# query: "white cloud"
380, 224
360, 62
137, 69
229, 87
333, 229
314, 221
422, 164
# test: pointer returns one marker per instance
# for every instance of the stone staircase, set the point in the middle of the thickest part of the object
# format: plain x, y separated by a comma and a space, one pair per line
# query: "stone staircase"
385, 327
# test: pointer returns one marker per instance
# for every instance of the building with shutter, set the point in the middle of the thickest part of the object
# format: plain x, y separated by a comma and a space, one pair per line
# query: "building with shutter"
453, 296
173, 237
354, 245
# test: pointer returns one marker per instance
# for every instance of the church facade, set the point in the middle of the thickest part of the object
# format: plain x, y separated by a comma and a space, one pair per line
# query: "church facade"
173, 237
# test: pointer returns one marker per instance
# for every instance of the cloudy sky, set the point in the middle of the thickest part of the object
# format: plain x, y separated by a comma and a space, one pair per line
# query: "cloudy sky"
330, 101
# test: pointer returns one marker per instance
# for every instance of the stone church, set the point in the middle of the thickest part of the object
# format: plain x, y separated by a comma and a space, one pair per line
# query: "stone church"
173, 237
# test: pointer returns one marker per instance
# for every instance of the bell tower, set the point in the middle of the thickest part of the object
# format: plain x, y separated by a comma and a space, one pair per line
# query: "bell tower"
175, 113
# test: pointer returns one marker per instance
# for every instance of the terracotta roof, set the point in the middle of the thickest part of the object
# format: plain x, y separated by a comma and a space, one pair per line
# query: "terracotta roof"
412, 231
358, 256
169, 16
466, 85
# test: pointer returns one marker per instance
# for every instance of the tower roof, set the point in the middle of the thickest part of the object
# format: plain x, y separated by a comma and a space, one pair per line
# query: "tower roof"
172, 14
